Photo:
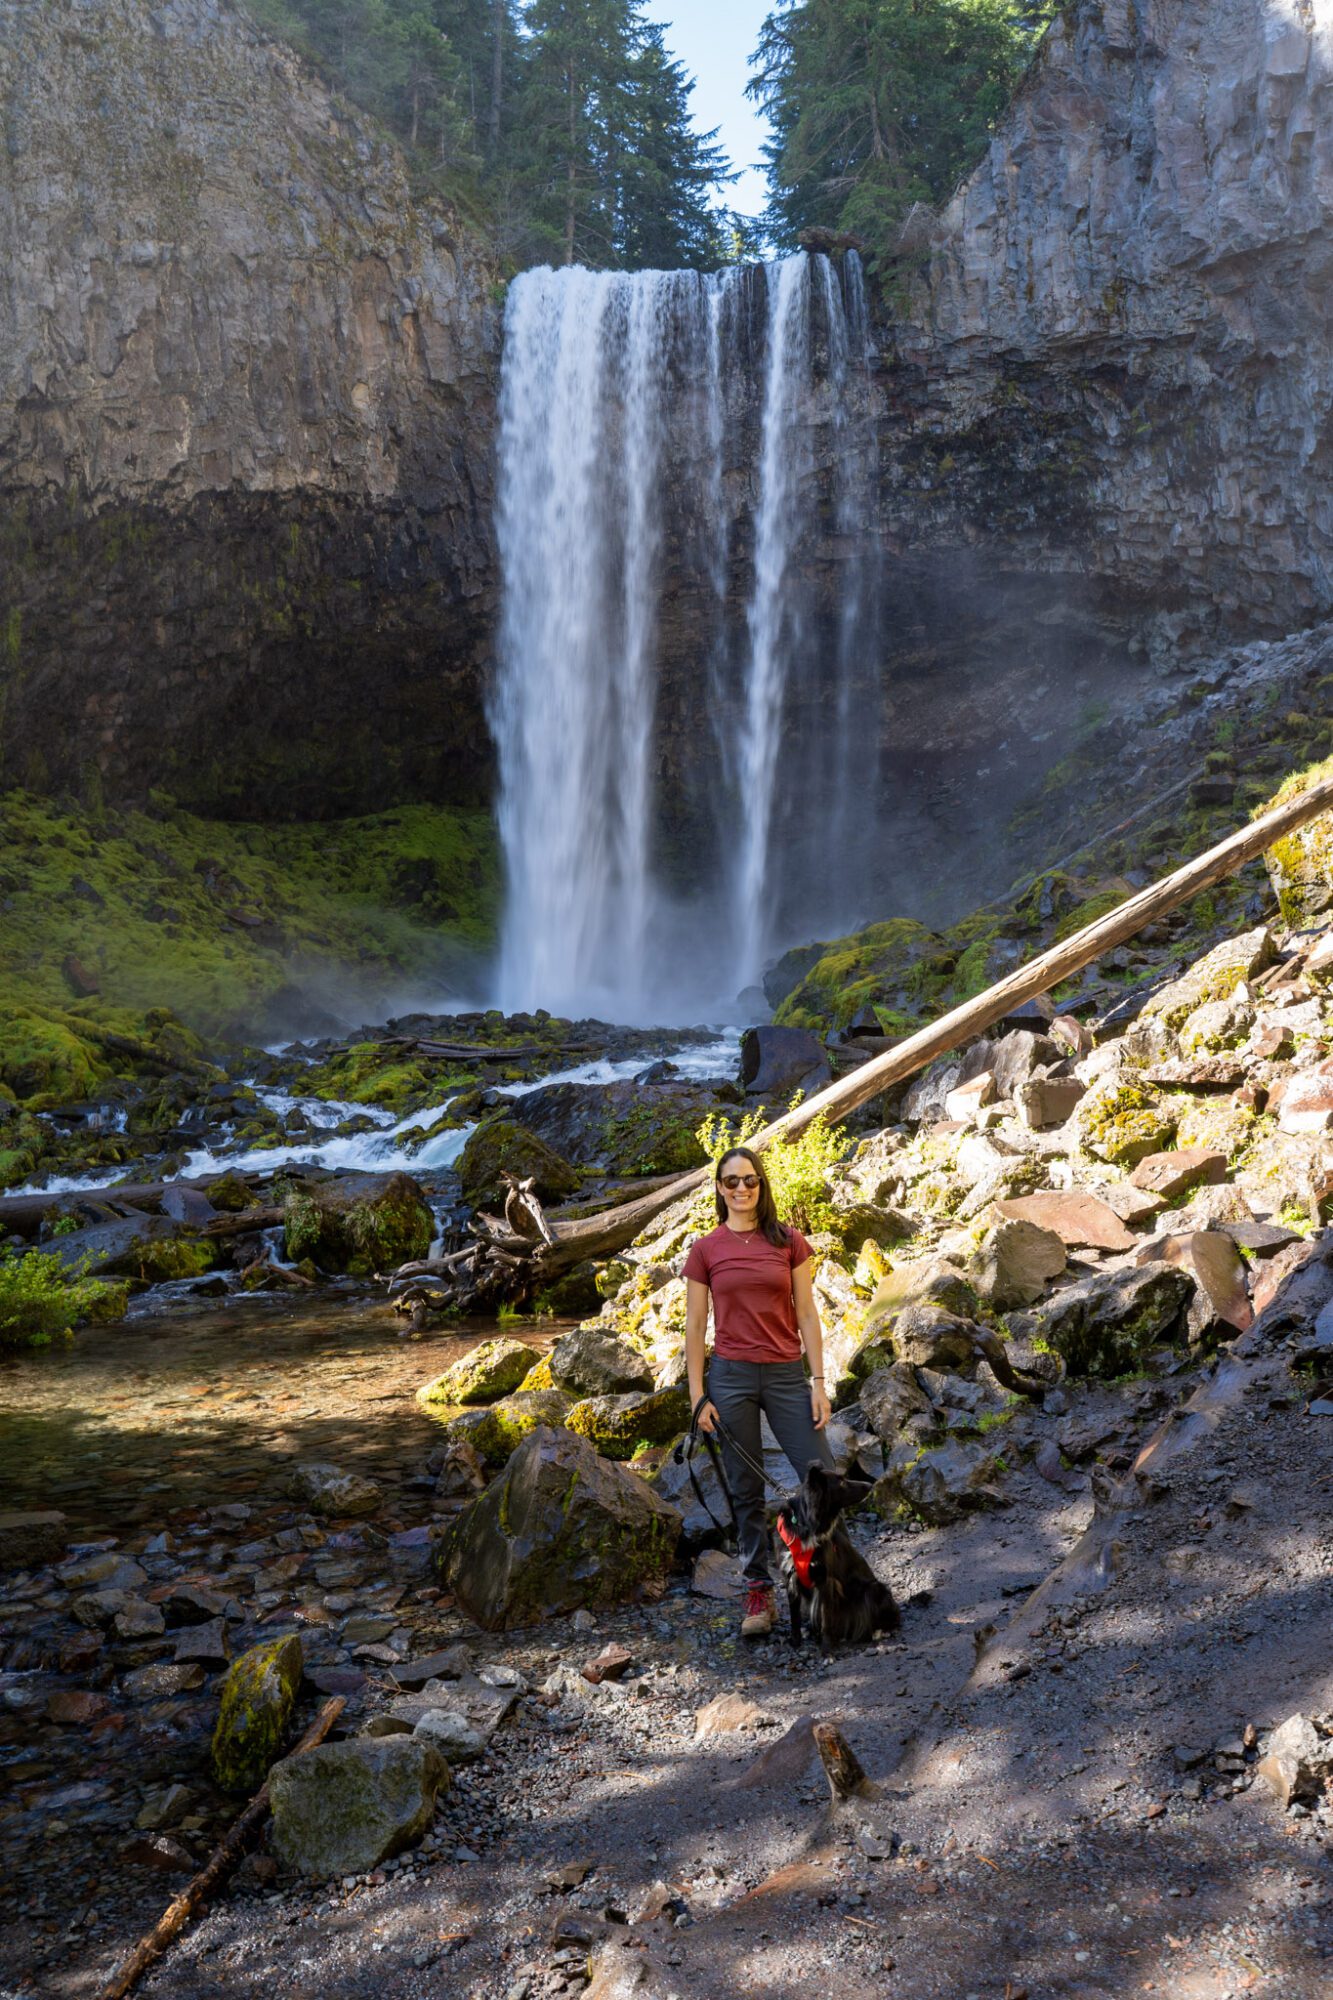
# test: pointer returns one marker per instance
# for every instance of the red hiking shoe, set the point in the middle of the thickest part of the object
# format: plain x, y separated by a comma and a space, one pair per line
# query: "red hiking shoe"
760, 1611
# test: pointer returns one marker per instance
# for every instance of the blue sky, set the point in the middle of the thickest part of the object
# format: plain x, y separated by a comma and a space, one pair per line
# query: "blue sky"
714, 39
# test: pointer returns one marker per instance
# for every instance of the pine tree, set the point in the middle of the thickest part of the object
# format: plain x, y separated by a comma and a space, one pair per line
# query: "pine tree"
668, 170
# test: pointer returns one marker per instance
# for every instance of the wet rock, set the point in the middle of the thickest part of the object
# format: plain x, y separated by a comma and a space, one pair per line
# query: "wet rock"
27, 1541
777, 1062
204, 1642
328, 1490
618, 1425
947, 1481
164, 1806
592, 1362
137, 1619
492, 1369
1015, 1263
1079, 1220
1298, 1760
97, 1608
1106, 1325
157, 1682
505, 1146
461, 1474
360, 1223
193, 1604
559, 1528
496, 1432
77, 1706
1173, 1174
343, 1808
258, 1696
158, 1850
151, 1248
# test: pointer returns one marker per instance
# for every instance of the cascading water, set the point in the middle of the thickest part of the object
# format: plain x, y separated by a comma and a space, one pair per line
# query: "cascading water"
669, 704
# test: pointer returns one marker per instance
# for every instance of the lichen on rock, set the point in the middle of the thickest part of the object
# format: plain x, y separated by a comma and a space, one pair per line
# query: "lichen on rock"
258, 1696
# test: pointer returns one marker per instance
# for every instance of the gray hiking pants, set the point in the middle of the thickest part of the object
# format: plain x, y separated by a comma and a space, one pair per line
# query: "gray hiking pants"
742, 1391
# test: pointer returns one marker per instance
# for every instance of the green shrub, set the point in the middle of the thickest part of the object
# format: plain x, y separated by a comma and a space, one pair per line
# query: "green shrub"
40, 1301
798, 1171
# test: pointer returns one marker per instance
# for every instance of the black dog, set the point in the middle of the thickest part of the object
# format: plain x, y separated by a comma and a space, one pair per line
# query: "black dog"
845, 1601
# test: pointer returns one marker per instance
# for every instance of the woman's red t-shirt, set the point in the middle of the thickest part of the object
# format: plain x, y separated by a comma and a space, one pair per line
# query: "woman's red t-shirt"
754, 1313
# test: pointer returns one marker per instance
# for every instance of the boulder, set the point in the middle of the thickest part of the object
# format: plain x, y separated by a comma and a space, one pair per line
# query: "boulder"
154, 1249
618, 1425
1215, 976
560, 1529
1016, 1057
28, 1541
1015, 1262
449, 1731
706, 1522
363, 1224
461, 1474
258, 1696
1048, 1100
1298, 1760
645, 1125
892, 1396
777, 1062
1078, 1220
1107, 1324
497, 1431
342, 1808
505, 1146
926, 1336
490, 1370
328, 1490
590, 1361
947, 1481
1121, 1123
1300, 865
1175, 1173
1220, 1307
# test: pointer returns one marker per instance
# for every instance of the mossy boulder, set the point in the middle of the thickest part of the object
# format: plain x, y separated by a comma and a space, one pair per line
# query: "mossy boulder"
504, 1146
258, 1697
362, 1223
539, 1376
626, 1127
1123, 1123
1215, 976
896, 968
618, 1425
491, 1370
591, 1361
1107, 1325
1218, 1125
45, 1060
1300, 865
560, 1529
496, 1432
151, 1249
342, 1808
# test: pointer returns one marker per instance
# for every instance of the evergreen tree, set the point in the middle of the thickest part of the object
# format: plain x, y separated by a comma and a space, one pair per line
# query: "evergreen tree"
876, 104
668, 171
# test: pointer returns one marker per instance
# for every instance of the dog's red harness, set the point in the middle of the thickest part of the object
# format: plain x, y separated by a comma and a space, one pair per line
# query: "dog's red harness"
801, 1553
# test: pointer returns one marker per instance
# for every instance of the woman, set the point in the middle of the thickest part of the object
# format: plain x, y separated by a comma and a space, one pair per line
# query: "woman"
757, 1272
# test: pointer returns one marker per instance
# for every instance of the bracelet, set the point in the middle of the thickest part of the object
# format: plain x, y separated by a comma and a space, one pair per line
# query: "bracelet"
816, 1378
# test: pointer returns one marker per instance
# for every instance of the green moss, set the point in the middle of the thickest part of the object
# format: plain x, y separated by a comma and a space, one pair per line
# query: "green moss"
358, 1229
492, 1369
618, 1425
158, 1263
1124, 1124
497, 1431
1300, 865
503, 1145
258, 1697
169, 910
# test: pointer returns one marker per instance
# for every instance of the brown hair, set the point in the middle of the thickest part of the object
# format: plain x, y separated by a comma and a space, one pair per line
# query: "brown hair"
776, 1232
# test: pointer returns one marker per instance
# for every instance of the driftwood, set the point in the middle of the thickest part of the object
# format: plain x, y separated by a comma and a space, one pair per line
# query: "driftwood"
223, 1858
612, 1229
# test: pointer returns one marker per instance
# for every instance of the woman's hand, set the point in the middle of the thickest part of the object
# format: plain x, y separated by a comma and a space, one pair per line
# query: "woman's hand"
820, 1407
707, 1418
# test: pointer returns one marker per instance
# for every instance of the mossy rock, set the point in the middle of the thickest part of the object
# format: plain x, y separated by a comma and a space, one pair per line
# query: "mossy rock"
1219, 1126
44, 1060
503, 1145
538, 1377
170, 1258
897, 966
1300, 865
258, 1697
618, 1425
1123, 1124
496, 1433
493, 1369
1107, 1325
363, 1224
230, 1193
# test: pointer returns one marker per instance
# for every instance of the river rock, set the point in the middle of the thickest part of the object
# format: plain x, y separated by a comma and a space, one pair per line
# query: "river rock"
494, 1432
137, 1619
462, 1473
342, 1808
777, 1062
593, 1362
365, 1224
505, 1146
258, 1696
329, 1490
1106, 1325
1015, 1263
151, 1248
491, 1370
617, 1425
559, 1529
27, 1541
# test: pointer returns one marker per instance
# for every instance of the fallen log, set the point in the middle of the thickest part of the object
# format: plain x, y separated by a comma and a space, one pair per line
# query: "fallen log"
602, 1235
223, 1858
24, 1213
243, 1222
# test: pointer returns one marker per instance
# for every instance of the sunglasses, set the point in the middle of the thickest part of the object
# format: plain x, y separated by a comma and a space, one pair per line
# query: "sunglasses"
734, 1181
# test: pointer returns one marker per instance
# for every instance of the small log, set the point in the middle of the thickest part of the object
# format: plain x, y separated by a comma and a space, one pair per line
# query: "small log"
219, 1864
842, 1767
243, 1222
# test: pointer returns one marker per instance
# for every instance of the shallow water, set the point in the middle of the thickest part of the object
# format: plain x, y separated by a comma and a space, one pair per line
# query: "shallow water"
200, 1402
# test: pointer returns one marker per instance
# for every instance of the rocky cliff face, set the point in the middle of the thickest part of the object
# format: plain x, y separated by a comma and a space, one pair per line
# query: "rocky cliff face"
246, 417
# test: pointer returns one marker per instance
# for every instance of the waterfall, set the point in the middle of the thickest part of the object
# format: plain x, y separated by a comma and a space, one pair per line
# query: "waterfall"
658, 501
